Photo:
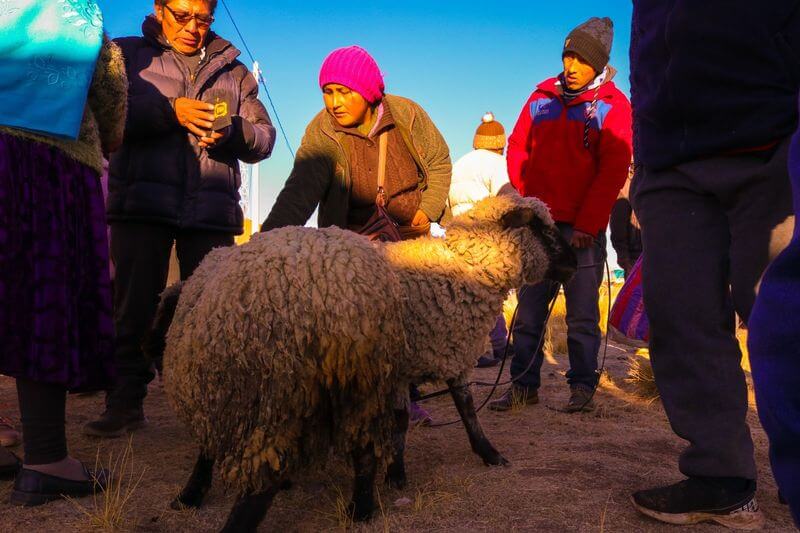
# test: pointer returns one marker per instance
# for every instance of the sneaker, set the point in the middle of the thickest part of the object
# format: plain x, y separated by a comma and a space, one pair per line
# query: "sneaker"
580, 399
419, 415
33, 488
696, 500
515, 395
486, 361
8, 435
115, 423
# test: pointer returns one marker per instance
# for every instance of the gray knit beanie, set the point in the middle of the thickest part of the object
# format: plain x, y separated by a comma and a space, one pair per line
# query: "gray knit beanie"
592, 41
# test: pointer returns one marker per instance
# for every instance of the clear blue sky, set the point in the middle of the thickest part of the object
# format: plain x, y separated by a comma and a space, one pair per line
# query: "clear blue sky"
458, 59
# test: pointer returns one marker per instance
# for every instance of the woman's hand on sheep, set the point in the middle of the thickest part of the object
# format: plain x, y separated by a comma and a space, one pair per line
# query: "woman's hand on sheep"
420, 219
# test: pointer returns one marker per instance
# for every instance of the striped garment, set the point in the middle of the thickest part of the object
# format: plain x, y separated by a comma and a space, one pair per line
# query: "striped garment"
627, 314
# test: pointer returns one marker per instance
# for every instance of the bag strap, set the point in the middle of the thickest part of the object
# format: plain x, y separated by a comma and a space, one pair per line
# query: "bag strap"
382, 143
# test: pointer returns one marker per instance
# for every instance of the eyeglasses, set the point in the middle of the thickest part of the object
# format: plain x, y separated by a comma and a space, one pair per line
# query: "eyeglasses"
185, 18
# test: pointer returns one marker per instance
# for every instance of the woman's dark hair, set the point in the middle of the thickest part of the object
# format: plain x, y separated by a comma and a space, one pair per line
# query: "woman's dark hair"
211, 3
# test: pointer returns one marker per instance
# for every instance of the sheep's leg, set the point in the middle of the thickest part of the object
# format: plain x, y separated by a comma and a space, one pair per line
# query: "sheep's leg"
249, 510
198, 484
462, 397
396, 472
365, 465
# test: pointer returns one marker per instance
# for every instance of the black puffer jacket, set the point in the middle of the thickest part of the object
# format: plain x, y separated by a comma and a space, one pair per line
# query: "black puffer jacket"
161, 175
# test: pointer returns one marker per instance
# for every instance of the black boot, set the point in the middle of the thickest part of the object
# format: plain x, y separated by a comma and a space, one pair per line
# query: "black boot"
115, 422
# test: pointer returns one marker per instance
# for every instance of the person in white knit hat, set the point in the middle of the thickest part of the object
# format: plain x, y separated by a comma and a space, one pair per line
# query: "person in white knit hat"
481, 173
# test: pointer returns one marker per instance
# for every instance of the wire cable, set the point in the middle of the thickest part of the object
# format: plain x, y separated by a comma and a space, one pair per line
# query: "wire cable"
260, 78
502, 365
513, 379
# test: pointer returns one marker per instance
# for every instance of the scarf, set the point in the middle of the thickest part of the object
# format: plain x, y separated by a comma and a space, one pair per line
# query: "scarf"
570, 94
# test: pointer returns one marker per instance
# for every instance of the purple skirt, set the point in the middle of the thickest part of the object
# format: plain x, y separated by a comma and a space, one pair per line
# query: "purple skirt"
55, 293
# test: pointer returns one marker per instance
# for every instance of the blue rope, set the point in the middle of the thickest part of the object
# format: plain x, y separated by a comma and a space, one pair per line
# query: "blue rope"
260, 79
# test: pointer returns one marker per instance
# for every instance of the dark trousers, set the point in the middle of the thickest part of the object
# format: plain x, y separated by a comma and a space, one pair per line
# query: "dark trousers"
499, 337
141, 257
42, 408
583, 318
706, 228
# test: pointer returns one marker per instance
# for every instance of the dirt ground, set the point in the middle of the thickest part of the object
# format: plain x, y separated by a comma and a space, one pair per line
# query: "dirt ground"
567, 472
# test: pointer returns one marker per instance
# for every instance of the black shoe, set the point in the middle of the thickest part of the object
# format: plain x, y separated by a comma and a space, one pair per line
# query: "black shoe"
35, 488
485, 361
116, 422
696, 500
515, 396
580, 399
9, 464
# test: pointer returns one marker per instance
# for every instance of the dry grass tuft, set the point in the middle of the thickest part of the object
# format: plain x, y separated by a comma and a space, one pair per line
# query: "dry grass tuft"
555, 336
603, 515
519, 399
606, 300
341, 515
606, 381
110, 507
426, 498
385, 523
741, 336
640, 375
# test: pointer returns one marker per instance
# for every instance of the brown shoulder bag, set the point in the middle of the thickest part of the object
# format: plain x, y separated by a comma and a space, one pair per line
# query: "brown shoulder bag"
380, 226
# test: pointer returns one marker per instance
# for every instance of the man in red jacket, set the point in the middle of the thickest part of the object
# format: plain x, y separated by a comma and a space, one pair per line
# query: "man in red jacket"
571, 148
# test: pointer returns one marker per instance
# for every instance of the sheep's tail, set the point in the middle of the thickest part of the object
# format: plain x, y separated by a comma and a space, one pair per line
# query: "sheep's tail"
155, 340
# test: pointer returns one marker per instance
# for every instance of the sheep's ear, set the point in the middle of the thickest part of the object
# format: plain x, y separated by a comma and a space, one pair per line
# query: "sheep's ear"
508, 190
518, 217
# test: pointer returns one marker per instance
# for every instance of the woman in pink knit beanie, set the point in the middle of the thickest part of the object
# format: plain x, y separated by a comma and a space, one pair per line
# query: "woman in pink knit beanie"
351, 83
336, 167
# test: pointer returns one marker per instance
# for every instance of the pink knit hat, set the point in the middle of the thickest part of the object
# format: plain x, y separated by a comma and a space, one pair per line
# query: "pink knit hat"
354, 68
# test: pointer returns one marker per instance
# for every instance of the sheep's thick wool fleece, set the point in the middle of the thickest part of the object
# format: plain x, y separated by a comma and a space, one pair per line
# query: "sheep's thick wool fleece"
271, 358
303, 338
455, 287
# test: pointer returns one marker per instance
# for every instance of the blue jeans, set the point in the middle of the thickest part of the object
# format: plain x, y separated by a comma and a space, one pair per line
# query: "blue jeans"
583, 317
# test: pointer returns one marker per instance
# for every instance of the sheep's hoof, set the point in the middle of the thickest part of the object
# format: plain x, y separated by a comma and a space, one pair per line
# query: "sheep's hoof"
186, 500
493, 458
360, 512
286, 484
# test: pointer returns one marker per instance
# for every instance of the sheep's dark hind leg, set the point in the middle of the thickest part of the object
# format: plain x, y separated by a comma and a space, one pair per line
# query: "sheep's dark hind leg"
365, 465
462, 397
198, 484
396, 472
249, 510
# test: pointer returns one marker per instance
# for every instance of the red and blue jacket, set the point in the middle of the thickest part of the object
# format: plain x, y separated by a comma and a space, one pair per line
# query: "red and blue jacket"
548, 159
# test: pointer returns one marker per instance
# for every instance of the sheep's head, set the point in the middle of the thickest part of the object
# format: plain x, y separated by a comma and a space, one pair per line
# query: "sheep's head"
512, 240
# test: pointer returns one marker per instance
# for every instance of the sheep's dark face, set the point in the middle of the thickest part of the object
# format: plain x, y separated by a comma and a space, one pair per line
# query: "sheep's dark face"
563, 262
518, 234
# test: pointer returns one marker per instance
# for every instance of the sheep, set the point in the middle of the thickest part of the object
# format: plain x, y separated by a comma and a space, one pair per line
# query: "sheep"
304, 338
454, 289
